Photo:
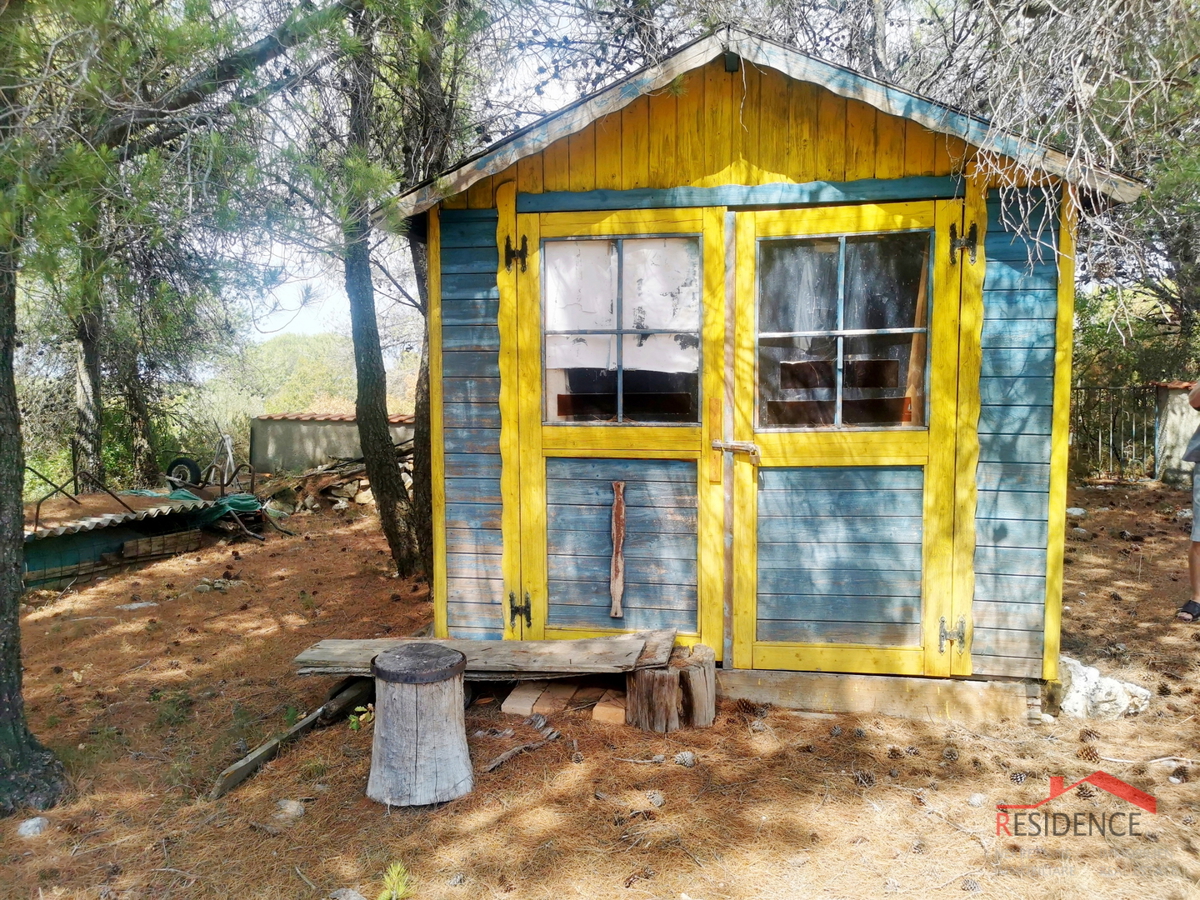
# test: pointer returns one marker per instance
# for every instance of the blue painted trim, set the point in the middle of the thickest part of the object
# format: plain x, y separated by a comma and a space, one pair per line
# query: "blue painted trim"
812, 193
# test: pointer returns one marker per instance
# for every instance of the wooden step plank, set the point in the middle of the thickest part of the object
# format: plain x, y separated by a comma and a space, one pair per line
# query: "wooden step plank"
505, 660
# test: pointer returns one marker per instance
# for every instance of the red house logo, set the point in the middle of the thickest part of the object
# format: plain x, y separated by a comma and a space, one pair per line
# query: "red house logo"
1023, 822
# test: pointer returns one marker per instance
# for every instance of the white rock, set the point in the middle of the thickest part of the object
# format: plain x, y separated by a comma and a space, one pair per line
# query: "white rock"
289, 810
1076, 512
203, 588
363, 497
1048, 719
1081, 534
141, 605
1174, 779
31, 828
346, 894
342, 503
1086, 694
1184, 515
977, 800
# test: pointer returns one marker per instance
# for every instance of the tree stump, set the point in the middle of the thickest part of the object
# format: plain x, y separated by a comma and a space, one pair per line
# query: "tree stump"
681, 694
419, 754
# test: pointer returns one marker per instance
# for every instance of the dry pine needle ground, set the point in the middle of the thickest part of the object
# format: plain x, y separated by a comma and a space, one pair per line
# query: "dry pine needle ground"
146, 706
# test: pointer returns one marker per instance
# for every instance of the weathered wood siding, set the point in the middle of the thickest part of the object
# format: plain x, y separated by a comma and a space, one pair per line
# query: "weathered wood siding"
660, 543
1016, 390
713, 128
839, 555
471, 416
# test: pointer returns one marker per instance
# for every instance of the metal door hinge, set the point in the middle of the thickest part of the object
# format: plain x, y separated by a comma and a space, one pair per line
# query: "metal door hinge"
746, 447
510, 254
958, 636
969, 241
516, 609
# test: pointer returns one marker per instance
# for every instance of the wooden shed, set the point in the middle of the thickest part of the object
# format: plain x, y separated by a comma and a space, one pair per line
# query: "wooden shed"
752, 346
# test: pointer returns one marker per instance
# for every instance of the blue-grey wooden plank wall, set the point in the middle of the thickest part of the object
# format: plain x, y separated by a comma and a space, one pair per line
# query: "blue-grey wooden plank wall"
1020, 303
471, 417
839, 555
660, 546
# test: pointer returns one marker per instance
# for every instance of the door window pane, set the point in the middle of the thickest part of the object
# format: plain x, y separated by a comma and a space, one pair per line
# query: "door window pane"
843, 331
622, 322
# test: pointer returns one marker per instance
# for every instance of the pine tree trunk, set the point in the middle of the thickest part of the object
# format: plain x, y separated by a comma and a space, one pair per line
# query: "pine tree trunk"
422, 505
89, 329
379, 455
145, 461
29, 775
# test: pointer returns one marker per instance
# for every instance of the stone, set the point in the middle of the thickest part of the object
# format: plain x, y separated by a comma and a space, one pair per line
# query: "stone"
346, 894
341, 504
364, 497
1184, 515
203, 588
1081, 534
457, 879
977, 800
32, 828
281, 506
1076, 512
289, 810
1048, 719
141, 605
1087, 694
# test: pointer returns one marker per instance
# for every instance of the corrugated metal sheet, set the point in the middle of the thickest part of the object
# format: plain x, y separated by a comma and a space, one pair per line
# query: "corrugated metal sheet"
91, 523
328, 417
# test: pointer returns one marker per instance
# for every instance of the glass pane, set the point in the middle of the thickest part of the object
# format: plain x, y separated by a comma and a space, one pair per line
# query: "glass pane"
883, 380
581, 378
661, 375
580, 285
798, 285
660, 284
797, 381
887, 279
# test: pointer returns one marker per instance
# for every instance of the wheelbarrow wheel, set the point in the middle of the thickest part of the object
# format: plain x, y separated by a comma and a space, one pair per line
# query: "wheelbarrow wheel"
183, 471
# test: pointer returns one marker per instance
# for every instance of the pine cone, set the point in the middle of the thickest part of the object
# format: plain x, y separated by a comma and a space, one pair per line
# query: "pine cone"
1017, 777
859, 733
1164, 689
1181, 772
950, 754
1088, 752
1087, 735
895, 753
835, 731
864, 779
1085, 792
912, 751
971, 885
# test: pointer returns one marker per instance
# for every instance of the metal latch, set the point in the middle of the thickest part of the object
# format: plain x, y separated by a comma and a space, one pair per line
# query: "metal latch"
515, 609
740, 447
969, 241
510, 254
958, 636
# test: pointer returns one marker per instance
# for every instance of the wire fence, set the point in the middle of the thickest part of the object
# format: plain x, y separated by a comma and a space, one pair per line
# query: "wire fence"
1112, 432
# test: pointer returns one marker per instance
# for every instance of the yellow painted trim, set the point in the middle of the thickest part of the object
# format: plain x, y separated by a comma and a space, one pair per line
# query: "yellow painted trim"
710, 494
561, 633
621, 222
845, 219
436, 444
850, 448
939, 518
510, 448
745, 474
1059, 436
620, 437
605, 453
532, 497
970, 365
840, 658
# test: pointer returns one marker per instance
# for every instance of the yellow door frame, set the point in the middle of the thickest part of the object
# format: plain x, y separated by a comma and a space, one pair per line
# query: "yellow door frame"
535, 441
933, 448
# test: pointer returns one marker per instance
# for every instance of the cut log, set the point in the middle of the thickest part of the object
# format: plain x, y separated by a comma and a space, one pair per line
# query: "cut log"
419, 753
698, 687
652, 699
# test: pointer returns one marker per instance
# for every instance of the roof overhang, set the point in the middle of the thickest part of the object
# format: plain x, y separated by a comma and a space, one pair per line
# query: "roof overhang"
760, 51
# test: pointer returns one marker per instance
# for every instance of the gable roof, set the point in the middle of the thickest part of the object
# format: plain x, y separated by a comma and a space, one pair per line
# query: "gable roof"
766, 53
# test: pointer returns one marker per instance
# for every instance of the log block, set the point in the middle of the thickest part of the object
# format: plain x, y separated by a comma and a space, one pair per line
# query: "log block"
610, 708
652, 699
419, 754
698, 687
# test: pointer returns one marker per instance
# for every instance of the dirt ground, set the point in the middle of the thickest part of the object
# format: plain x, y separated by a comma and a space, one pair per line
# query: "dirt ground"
146, 706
